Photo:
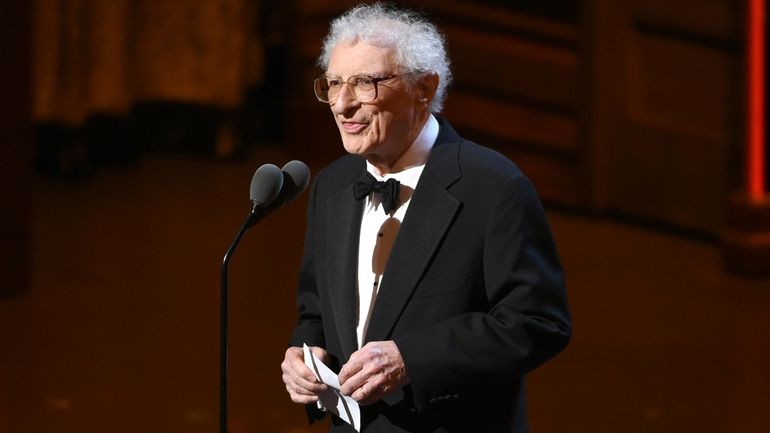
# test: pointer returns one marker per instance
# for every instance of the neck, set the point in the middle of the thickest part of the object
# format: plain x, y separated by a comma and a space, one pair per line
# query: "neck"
414, 154
396, 162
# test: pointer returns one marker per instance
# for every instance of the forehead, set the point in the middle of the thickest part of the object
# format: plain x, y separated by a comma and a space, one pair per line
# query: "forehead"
351, 58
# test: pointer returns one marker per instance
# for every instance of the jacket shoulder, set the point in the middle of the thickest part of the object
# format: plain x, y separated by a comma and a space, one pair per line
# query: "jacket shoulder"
473, 158
480, 162
340, 173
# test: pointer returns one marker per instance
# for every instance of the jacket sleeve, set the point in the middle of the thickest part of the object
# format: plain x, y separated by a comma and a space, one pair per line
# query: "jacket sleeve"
309, 328
527, 321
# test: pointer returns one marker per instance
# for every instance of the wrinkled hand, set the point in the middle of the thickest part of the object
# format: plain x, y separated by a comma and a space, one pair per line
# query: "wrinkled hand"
373, 371
301, 383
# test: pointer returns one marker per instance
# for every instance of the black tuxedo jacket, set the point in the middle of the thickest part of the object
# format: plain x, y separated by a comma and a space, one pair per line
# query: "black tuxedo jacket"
472, 293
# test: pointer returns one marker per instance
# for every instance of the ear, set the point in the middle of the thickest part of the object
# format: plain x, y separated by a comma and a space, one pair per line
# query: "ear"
426, 88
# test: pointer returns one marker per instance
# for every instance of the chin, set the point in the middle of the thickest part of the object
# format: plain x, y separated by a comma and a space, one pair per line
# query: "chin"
351, 148
356, 151
355, 147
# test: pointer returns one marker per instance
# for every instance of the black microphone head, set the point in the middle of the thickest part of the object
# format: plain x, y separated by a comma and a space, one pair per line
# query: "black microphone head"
296, 176
265, 185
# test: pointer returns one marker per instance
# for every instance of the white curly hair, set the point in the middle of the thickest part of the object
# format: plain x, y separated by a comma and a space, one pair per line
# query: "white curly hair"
418, 45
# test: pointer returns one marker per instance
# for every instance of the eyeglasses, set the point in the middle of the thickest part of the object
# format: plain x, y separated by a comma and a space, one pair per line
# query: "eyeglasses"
363, 87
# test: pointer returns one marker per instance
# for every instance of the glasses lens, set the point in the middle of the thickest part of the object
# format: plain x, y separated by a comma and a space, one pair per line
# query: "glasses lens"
363, 87
321, 88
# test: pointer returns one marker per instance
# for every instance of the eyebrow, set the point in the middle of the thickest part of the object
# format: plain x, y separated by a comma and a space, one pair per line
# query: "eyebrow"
371, 74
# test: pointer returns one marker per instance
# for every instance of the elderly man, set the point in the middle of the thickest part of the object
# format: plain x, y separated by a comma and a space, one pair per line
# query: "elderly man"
429, 278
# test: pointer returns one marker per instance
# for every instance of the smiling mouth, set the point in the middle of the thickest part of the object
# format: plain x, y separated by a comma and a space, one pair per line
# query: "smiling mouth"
353, 127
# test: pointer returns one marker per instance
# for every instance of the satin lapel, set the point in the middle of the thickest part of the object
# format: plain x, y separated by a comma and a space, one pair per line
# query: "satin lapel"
343, 227
429, 216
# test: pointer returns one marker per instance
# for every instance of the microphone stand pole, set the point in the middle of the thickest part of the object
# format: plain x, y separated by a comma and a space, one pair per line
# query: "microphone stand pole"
223, 317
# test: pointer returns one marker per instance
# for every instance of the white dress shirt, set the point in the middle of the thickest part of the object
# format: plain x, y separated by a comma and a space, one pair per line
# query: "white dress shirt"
379, 230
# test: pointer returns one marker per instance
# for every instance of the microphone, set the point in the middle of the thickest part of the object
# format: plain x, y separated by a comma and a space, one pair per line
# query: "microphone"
290, 181
296, 176
265, 186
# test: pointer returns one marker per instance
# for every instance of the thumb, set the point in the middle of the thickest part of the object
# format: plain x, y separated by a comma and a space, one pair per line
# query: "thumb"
320, 353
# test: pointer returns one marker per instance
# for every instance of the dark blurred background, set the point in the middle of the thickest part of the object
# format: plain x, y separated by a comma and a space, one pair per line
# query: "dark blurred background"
130, 130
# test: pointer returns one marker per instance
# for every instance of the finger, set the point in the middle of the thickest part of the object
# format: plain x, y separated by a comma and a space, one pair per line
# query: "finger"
350, 378
303, 378
301, 398
370, 391
296, 373
361, 393
302, 388
296, 360
349, 370
356, 381
294, 389
320, 353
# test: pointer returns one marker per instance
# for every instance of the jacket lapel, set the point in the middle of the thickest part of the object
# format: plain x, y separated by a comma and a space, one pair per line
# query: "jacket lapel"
343, 227
429, 216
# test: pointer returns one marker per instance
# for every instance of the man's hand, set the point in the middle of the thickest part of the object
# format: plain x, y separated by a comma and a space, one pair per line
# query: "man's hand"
373, 371
301, 383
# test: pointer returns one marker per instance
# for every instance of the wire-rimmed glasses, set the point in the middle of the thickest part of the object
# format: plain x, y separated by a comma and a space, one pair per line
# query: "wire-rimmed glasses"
363, 87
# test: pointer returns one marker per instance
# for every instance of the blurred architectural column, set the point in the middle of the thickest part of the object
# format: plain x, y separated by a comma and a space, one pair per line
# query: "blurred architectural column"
606, 35
746, 238
15, 149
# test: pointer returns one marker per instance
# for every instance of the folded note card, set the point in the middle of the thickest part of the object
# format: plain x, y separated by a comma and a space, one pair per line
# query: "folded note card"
332, 400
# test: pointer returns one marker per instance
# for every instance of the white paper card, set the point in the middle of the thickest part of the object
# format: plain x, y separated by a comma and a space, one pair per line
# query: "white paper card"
344, 407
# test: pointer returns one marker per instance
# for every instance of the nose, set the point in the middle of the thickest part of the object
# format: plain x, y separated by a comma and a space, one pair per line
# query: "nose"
345, 101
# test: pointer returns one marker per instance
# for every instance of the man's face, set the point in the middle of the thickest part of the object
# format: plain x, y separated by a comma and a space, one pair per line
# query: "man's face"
383, 129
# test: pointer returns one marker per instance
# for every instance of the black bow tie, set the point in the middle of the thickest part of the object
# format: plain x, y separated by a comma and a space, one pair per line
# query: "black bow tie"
388, 190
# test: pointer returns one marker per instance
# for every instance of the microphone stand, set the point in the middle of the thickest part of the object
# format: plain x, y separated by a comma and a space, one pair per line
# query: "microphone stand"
223, 317
271, 193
